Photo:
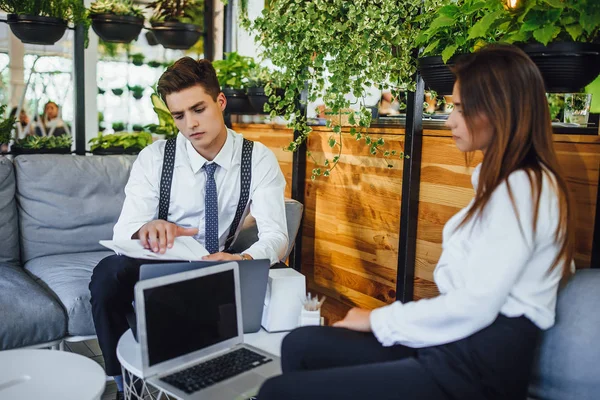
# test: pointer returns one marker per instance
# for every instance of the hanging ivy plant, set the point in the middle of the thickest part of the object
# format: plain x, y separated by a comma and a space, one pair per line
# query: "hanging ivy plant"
338, 48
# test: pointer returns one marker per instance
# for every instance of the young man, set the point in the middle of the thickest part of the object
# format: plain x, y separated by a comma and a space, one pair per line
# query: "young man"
204, 196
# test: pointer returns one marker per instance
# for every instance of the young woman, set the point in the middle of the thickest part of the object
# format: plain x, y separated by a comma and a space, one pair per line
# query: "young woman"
503, 258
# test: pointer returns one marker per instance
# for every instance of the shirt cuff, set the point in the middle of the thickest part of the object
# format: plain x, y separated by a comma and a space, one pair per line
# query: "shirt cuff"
380, 325
126, 232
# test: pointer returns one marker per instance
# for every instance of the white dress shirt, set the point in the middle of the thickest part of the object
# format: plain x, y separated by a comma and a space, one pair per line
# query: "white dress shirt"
186, 208
488, 266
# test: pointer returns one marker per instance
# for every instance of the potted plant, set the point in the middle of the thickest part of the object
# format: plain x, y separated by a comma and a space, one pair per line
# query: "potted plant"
118, 126
137, 91
137, 59
116, 21
151, 39
6, 126
339, 48
562, 38
260, 82
166, 125
117, 91
43, 145
123, 143
42, 22
101, 127
458, 28
137, 127
100, 90
177, 24
233, 73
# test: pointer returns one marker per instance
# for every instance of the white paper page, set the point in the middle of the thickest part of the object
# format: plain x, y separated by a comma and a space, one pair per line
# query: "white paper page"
185, 248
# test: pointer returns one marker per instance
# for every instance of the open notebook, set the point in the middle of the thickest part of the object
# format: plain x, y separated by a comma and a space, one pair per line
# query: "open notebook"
185, 248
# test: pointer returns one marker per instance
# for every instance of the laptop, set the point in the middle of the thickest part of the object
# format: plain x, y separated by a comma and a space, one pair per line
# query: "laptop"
254, 275
191, 339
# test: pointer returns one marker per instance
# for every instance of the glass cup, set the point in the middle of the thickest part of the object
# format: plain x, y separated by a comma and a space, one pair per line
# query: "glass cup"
577, 108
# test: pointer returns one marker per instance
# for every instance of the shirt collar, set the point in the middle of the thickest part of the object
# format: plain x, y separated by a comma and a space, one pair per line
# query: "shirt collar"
223, 158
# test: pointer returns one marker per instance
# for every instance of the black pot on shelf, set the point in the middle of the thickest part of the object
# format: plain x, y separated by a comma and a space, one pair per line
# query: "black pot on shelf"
113, 150
117, 28
17, 150
151, 39
258, 98
567, 67
176, 35
436, 74
237, 101
34, 29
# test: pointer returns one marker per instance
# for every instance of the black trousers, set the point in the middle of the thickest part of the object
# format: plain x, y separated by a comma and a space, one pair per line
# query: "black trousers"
111, 288
333, 363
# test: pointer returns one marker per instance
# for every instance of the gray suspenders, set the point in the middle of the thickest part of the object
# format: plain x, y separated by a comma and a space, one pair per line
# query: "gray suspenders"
245, 175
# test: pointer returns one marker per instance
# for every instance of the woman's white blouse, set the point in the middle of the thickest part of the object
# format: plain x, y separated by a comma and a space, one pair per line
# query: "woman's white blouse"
489, 266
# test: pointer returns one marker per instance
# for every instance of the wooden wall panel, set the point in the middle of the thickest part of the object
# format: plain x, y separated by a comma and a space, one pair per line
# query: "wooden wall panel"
351, 226
276, 138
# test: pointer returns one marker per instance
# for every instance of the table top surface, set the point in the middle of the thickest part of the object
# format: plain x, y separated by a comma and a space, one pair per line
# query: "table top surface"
130, 356
49, 374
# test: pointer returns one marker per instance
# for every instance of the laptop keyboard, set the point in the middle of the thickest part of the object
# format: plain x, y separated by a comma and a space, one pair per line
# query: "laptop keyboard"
215, 370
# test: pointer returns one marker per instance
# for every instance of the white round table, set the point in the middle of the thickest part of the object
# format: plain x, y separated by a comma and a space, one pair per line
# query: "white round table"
49, 374
130, 357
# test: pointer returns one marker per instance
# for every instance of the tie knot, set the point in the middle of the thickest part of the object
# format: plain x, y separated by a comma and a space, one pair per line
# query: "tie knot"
210, 169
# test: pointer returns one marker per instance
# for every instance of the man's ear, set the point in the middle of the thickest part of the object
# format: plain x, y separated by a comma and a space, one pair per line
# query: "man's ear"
222, 101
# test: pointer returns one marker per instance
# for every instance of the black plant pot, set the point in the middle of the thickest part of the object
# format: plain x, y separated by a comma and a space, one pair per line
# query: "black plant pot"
237, 101
113, 150
34, 29
151, 39
117, 91
258, 98
436, 74
567, 67
176, 35
17, 150
117, 28
138, 96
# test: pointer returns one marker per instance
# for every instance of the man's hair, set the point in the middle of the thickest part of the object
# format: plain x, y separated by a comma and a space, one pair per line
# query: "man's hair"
187, 72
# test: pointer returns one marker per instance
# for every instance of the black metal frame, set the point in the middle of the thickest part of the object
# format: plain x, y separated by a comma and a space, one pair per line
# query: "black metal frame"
595, 261
298, 184
411, 179
79, 78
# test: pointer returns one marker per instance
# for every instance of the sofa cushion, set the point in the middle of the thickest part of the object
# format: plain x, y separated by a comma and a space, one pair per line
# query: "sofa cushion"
68, 277
249, 233
9, 234
68, 203
29, 314
568, 360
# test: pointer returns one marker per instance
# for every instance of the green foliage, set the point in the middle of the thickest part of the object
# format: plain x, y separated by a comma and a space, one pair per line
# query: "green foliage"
45, 142
117, 91
116, 7
118, 126
137, 91
234, 71
166, 124
137, 140
462, 26
137, 59
155, 64
186, 11
556, 102
338, 48
6, 125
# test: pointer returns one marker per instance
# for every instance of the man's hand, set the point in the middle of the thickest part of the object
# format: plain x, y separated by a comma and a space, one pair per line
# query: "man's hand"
357, 319
159, 235
221, 256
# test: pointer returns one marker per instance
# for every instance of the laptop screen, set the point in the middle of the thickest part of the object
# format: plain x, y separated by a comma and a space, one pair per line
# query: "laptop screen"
190, 315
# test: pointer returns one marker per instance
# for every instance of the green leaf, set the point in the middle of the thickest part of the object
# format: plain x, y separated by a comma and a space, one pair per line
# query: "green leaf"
590, 21
448, 52
441, 22
554, 3
482, 27
473, 7
331, 142
546, 34
575, 31
449, 10
431, 46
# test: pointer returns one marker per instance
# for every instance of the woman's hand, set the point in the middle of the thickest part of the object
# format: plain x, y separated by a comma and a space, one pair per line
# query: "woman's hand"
357, 319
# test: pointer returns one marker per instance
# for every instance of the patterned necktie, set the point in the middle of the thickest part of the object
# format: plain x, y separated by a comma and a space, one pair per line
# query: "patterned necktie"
211, 210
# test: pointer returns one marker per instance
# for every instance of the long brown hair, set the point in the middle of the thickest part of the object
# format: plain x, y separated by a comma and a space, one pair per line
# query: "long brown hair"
501, 83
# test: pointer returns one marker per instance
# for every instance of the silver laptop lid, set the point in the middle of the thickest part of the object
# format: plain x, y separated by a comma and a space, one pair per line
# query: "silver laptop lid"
185, 317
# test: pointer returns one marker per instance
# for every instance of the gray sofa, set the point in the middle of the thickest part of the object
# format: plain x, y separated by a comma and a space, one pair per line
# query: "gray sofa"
53, 211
